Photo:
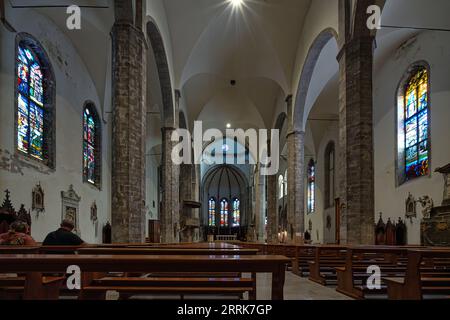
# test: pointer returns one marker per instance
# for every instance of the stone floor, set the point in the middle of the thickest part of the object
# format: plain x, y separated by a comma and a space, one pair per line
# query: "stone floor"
295, 288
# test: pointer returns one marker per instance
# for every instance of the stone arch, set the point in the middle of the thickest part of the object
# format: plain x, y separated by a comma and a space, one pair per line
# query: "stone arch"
169, 118
306, 75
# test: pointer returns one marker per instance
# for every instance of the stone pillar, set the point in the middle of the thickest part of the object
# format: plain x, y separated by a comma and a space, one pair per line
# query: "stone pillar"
128, 133
356, 158
272, 214
188, 193
296, 178
260, 205
170, 214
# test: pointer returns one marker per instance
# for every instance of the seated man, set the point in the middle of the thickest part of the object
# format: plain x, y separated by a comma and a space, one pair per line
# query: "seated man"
63, 236
17, 235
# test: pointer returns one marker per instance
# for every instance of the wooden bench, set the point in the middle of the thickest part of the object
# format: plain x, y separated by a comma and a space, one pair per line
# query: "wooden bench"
231, 283
422, 278
326, 259
167, 251
38, 288
91, 264
353, 276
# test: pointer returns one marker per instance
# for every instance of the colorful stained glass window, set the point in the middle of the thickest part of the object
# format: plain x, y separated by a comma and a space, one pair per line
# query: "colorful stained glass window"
224, 213
30, 102
89, 152
236, 213
311, 187
416, 126
212, 212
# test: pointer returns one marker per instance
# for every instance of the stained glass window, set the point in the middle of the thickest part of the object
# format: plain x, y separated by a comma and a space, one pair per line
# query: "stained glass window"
30, 102
416, 126
224, 213
236, 213
311, 187
91, 154
89, 146
212, 212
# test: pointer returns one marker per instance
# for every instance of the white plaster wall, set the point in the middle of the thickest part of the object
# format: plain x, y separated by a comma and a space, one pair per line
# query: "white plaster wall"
433, 47
73, 87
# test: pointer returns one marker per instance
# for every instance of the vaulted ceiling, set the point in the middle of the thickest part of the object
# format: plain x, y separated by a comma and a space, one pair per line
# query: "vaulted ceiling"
255, 45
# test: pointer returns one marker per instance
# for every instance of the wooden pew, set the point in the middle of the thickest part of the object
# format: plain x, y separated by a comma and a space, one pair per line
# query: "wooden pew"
149, 263
198, 283
422, 277
13, 286
167, 251
352, 276
326, 259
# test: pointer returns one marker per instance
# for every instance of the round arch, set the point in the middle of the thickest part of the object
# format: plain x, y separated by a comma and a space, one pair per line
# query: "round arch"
306, 75
154, 35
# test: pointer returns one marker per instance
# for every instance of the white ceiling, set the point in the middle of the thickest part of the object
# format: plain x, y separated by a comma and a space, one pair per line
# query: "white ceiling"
214, 43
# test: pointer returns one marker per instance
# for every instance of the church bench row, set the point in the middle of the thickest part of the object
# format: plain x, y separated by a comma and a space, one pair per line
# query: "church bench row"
241, 285
195, 247
346, 267
35, 265
352, 274
223, 282
96, 288
427, 275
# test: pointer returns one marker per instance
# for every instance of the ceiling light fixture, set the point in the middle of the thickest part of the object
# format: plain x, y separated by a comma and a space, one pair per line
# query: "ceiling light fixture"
228, 125
237, 3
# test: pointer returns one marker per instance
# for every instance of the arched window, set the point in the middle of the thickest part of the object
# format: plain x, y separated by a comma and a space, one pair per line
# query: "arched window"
311, 186
212, 212
280, 187
224, 213
414, 132
329, 175
285, 183
91, 145
236, 212
34, 101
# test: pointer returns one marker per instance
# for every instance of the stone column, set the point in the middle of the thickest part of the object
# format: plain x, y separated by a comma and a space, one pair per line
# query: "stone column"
170, 214
296, 178
128, 133
272, 214
356, 158
260, 205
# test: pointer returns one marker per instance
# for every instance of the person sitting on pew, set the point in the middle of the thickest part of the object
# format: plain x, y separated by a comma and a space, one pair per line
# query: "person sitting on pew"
63, 236
17, 235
